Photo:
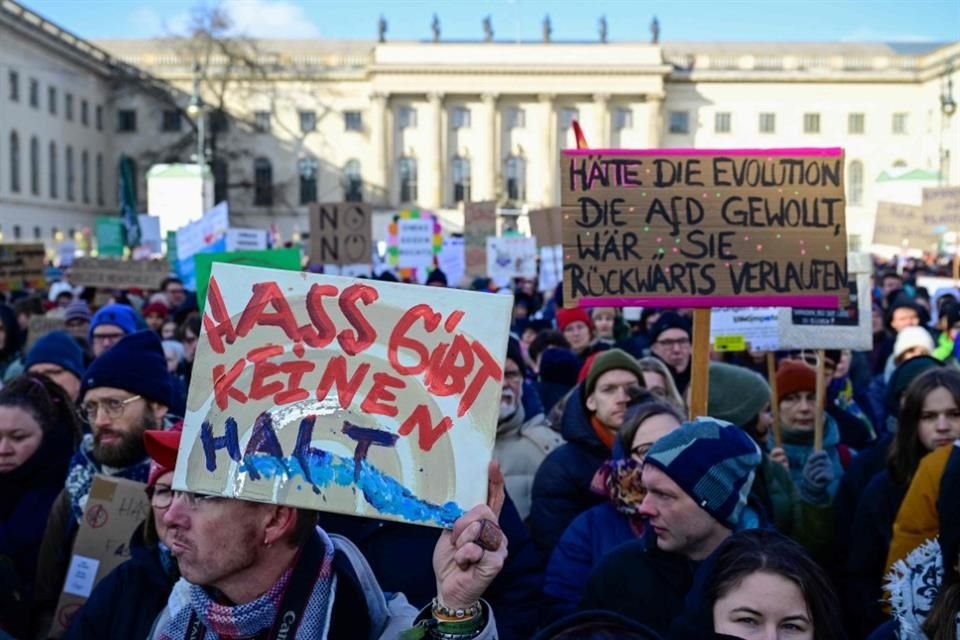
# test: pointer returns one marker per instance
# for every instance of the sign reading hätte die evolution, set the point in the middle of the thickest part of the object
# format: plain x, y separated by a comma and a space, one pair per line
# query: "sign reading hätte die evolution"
704, 228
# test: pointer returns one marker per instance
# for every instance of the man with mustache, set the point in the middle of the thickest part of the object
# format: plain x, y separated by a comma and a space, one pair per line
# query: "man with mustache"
124, 392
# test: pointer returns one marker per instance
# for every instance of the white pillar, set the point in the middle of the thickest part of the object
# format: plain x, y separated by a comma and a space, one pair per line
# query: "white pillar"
380, 176
551, 163
488, 162
436, 159
654, 121
601, 118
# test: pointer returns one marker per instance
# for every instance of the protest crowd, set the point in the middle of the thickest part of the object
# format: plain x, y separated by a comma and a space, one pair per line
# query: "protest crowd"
611, 513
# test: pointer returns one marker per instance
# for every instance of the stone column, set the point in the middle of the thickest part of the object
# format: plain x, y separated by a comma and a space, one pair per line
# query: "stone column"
601, 104
380, 177
489, 160
654, 121
436, 158
551, 163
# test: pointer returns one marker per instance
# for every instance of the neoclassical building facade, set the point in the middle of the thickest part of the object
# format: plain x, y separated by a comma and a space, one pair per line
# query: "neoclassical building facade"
440, 123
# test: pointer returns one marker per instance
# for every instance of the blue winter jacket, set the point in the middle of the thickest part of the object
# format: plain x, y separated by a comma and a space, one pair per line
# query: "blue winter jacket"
798, 446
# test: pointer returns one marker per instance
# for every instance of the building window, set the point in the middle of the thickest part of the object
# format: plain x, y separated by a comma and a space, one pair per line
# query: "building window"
353, 181
307, 168
679, 122
14, 162
99, 118
52, 171
407, 118
855, 183
34, 93
516, 118
900, 123
721, 122
99, 179
171, 120
37, 233
221, 177
52, 100
17, 232
126, 120
461, 179
68, 107
461, 118
567, 116
13, 81
85, 176
308, 121
515, 172
408, 179
261, 121
352, 121
219, 122
811, 123
622, 118
262, 182
71, 176
34, 166
85, 113
855, 123
768, 123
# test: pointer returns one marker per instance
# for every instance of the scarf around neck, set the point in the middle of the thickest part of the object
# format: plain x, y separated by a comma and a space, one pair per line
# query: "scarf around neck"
913, 584
82, 469
255, 619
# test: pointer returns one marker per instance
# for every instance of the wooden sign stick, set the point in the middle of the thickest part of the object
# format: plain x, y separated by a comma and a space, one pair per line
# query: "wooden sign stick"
820, 403
774, 405
700, 363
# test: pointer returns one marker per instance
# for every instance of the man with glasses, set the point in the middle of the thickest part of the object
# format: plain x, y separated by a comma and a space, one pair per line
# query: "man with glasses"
670, 342
173, 290
111, 323
124, 392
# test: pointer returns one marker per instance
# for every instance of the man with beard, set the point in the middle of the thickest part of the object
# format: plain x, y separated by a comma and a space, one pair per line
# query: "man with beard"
124, 392
522, 442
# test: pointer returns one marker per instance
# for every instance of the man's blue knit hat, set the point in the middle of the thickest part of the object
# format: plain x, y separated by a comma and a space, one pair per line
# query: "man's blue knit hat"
57, 348
118, 315
713, 462
135, 364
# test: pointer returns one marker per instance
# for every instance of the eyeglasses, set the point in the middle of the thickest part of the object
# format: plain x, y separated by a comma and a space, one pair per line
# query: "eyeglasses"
640, 451
189, 339
111, 406
161, 497
513, 376
103, 337
676, 342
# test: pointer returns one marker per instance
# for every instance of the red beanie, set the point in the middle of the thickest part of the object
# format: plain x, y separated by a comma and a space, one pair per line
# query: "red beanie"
162, 448
793, 377
566, 317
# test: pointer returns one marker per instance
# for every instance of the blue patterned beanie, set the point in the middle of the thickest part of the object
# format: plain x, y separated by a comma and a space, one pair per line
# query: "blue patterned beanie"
713, 462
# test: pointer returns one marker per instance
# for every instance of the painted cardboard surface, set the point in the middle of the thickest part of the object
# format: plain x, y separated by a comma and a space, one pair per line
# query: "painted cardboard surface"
119, 274
704, 228
288, 259
352, 396
546, 225
115, 508
510, 257
479, 223
341, 233
22, 266
902, 225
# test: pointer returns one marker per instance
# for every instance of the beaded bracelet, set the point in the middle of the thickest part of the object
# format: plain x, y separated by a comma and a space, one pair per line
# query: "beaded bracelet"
444, 614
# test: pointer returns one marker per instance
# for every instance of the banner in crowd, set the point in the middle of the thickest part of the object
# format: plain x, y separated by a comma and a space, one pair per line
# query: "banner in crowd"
479, 223
287, 259
510, 257
246, 239
546, 225
111, 273
358, 397
111, 234
941, 209
22, 266
206, 235
414, 239
551, 268
40, 326
151, 241
341, 235
704, 228
903, 225
453, 260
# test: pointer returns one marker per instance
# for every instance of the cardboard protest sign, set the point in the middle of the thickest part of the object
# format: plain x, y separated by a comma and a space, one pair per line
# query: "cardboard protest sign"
341, 233
353, 396
453, 260
110, 273
511, 257
42, 325
288, 259
111, 236
22, 266
479, 223
115, 508
704, 228
902, 225
546, 225
941, 209
551, 268
206, 235
847, 328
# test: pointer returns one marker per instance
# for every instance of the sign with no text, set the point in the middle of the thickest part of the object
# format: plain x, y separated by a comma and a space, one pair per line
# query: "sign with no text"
353, 396
704, 228
110, 273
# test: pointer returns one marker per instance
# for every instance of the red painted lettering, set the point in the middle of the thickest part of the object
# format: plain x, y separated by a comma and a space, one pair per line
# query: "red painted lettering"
446, 377
427, 434
219, 327
255, 314
399, 339
355, 342
336, 373
325, 329
223, 382
379, 393
489, 370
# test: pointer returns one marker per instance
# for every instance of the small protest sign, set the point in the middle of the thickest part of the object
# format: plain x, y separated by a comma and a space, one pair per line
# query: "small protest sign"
902, 225
704, 228
479, 223
111, 273
353, 396
115, 508
206, 235
847, 328
111, 236
341, 233
288, 259
246, 239
510, 257
546, 225
551, 268
22, 266
42, 325
453, 260
738, 329
941, 209
415, 243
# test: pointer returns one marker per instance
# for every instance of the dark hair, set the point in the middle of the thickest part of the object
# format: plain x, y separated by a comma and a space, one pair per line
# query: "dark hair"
192, 323
304, 528
544, 339
940, 623
761, 550
906, 450
45, 401
31, 306
643, 406
889, 274
170, 280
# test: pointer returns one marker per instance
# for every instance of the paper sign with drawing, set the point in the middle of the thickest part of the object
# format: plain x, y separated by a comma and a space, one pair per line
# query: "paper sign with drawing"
352, 396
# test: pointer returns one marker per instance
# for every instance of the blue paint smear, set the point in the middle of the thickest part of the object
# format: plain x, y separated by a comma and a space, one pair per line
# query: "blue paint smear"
382, 492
